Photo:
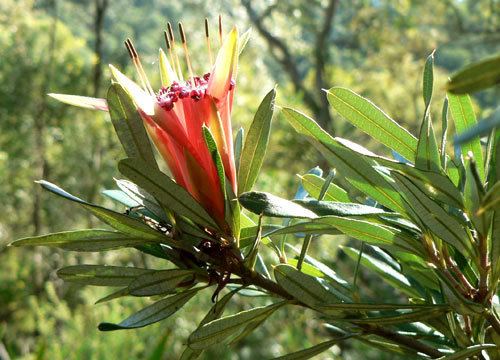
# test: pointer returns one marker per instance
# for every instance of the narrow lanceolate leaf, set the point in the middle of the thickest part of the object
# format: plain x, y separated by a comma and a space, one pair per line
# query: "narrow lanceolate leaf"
271, 205
354, 166
477, 76
407, 317
371, 233
428, 213
254, 150
427, 157
468, 352
363, 114
158, 311
313, 185
388, 273
165, 190
121, 197
128, 125
100, 275
324, 208
303, 287
158, 282
220, 329
491, 200
444, 132
214, 313
380, 307
212, 148
142, 198
85, 240
482, 128
118, 221
82, 101
428, 81
313, 350
238, 147
435, 185
464, 118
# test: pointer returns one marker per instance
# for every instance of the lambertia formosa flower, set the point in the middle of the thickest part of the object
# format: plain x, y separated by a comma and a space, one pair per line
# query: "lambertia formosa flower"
176, 115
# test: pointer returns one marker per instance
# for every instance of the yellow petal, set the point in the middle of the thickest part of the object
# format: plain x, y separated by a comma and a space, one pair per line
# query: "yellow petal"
167, 74
141, 98
224, 67
82, 101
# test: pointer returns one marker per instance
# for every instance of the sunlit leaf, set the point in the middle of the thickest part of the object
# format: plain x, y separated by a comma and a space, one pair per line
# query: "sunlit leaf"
220, 329
158, 311
465, 119
367, 117
254, 149
101, 275
86, 240
271, 205
165, 190
476, 76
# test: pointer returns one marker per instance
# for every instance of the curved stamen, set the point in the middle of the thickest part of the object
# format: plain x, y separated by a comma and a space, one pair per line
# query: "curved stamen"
172, 42
170, 55
220, 29
138, 66
186, 53
207, 38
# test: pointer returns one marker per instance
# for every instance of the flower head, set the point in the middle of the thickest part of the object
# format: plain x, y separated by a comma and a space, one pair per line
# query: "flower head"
175, 115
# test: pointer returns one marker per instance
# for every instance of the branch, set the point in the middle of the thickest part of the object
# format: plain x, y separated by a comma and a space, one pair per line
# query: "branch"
321, 56
286, 59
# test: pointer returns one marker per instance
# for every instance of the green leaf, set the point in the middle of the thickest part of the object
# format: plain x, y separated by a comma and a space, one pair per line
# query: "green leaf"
313, 350
362, 307
427, 157
468, 352
165, 190
428, 213
491, 200
220, 329
464, 118
373, 234
444, 131
142, 197
435, 185
214, 152
271, 205
86, 240
118, 221
476, 76
121, 197
482, 128
100, 275
128, 125
243, 40
389, 274
405, 317
363, 114
356, 168
303, 287
254, 150
114, 295
214, 313
313, 185
238, 147
82, 101
323, 208
428, 81
158, 311
159, 282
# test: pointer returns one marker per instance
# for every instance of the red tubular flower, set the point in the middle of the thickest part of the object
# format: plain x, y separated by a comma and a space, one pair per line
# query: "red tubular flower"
175, 115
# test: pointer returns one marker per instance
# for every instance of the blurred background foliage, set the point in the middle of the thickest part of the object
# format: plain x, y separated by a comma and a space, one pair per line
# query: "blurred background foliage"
375, 47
